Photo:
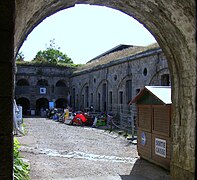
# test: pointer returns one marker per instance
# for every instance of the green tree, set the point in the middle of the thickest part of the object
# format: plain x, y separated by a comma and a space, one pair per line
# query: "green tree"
20, 57
53, 55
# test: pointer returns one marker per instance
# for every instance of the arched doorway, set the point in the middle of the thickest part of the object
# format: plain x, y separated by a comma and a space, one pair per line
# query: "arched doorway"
102, 95
24, 102
176, 36
41, 105
61, 103
85, 103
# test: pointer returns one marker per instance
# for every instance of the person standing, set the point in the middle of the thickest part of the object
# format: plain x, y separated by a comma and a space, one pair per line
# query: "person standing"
91, 108
66, 115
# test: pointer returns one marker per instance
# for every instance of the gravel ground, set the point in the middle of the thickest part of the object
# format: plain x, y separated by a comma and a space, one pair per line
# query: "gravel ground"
60, 152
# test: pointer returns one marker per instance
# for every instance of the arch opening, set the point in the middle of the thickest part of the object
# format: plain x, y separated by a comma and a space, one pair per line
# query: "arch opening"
25, 103
180, 36
22, 82
42, 82
41, 105
60, 83
61, 103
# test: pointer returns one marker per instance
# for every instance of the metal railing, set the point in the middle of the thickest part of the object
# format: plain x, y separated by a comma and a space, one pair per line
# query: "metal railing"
123, 129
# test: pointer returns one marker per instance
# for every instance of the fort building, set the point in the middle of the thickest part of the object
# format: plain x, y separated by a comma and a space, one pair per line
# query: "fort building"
108, 82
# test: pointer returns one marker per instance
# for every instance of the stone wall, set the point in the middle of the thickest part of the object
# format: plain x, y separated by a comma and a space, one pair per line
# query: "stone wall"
111, 71
144, 68
173, 24
56, 84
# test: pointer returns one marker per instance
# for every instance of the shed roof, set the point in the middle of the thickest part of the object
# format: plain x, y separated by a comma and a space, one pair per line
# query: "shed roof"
163, 93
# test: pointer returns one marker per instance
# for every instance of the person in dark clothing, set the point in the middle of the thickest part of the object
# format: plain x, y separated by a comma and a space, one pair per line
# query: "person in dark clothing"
91, 108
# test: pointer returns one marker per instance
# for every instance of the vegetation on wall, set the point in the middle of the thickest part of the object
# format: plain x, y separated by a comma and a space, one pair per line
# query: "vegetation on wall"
20, 57
47, 64
51, 56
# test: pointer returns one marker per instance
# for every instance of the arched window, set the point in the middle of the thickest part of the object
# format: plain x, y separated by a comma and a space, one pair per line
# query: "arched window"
104, 96
87, 96
165, 80
60, 83
22, 82
42, 82
128, 90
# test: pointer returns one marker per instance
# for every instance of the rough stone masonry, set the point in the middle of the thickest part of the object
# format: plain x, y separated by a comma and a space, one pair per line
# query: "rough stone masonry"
172, 24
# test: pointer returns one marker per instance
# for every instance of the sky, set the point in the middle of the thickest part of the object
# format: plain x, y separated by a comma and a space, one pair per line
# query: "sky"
86, 31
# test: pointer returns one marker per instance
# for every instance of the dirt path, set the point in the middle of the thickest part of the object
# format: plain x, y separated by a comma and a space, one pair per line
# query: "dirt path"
61, 152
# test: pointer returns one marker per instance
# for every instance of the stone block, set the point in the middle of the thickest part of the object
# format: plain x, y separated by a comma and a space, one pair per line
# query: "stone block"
180, 173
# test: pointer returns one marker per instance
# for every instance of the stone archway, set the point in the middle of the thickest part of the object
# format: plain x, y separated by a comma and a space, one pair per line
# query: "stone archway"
125, 86
102, 95
25, 103
22, 82
60, 83
41, 105
84, 95
61, 103
172, 24
157, 78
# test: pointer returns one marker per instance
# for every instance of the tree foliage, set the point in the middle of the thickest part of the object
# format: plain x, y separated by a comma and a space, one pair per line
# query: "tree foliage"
20, 57
53, 55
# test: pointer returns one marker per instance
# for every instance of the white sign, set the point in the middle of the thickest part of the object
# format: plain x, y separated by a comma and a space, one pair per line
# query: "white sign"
42, 90
143, 139
160, 147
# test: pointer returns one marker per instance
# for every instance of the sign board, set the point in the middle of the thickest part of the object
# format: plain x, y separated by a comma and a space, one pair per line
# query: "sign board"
160, 147
51, 105
43, 90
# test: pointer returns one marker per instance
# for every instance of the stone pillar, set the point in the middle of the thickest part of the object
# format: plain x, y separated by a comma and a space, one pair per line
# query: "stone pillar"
184, 126
7, 10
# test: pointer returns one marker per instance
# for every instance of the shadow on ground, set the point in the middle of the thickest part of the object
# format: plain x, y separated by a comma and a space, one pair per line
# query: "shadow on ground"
144, 170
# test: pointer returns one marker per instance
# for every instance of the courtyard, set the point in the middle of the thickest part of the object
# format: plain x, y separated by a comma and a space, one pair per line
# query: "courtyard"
59, 151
